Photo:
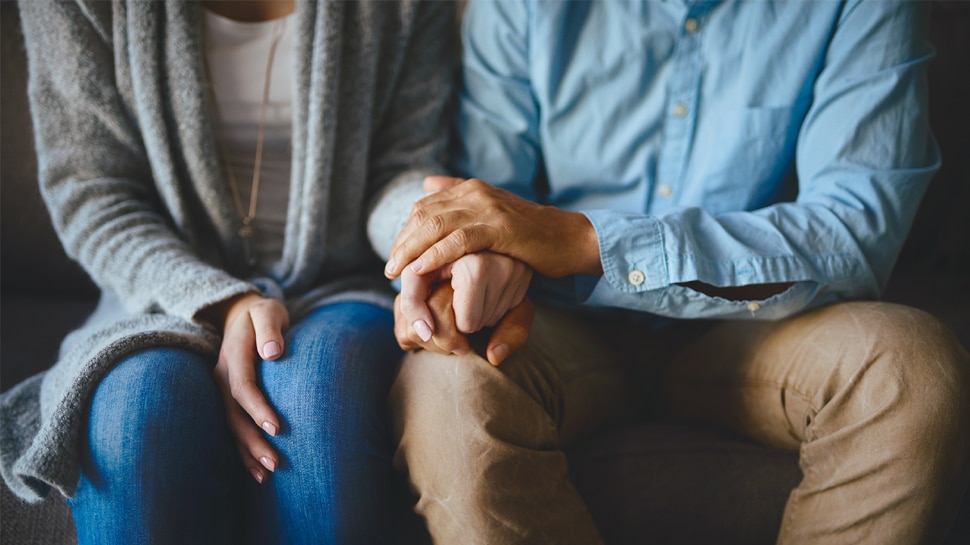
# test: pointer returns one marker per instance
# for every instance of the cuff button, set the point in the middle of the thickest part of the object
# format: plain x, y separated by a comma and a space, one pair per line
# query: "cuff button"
636, 277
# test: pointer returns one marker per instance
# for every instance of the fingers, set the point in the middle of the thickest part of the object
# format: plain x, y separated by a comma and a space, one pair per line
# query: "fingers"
473, 291
511, 332
450, 238
487, 285
257, 455
402, 331
237, 364
446, 213
254, 326
414, 311
446, 339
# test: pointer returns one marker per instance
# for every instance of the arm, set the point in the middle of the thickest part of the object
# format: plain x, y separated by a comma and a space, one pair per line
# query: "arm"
837, 241
101, 192
863, 158
94, 172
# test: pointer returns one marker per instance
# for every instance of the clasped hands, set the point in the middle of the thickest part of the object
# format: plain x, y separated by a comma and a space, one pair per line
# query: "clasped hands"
465, 258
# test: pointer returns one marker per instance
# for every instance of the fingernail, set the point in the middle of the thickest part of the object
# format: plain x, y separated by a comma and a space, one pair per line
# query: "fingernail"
417, 266
422, 329
271, 349
389, 267
460, 351
500, 352
257, 474
268, 463
270, 428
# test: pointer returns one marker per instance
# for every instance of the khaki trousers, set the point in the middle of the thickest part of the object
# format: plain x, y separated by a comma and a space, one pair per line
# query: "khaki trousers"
874, 396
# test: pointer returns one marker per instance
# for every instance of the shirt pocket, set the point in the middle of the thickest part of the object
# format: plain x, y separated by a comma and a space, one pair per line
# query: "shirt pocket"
744, 158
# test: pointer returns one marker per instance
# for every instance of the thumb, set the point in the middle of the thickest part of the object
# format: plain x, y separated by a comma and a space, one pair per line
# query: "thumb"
440, 183
415, 290
270, 320
511, 332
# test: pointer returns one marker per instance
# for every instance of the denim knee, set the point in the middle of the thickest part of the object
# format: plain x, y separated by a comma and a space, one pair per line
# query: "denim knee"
150, 410
156, 460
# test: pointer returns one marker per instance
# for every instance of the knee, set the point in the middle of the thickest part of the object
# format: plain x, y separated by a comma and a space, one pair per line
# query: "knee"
909, 361
469, 400
152, 402
330, 387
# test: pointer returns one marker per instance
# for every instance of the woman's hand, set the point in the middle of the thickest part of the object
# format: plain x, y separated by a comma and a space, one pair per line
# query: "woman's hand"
252, 328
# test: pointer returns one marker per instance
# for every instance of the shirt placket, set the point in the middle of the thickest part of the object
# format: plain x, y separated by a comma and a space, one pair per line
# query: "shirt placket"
680, 116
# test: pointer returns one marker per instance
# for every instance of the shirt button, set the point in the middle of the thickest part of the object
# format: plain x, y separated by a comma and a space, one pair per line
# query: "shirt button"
680, 109
665, 190
753, 307
691, 25
635, 277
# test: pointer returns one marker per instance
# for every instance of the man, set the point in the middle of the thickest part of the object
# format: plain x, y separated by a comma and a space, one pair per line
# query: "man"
755, 163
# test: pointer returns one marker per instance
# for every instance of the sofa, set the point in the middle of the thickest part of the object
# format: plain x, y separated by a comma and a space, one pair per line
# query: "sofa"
645, 482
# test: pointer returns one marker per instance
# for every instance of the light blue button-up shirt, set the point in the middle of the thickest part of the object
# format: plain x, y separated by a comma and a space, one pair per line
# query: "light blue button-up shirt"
731, 143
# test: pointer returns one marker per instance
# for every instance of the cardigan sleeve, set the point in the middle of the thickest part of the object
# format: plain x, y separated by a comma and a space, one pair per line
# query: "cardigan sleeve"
412, 136
94, 170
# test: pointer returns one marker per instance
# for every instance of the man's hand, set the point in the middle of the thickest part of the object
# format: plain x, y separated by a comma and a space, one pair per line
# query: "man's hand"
253, 327
509, 334
465, 217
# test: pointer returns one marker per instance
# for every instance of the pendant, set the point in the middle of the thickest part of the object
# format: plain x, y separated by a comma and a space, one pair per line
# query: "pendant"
246, 233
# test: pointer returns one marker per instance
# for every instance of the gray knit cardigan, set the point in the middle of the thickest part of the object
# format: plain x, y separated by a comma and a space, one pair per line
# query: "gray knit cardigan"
130, 172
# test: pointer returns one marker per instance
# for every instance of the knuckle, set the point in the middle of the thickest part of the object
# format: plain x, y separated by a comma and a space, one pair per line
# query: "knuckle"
239, 388
435, 252
467, 324
419, 212
435, 224
460, 238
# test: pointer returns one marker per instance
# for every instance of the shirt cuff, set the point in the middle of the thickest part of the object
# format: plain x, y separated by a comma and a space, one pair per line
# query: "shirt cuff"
631, 253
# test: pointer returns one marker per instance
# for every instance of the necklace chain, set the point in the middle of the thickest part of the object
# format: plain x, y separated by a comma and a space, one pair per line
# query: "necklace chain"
247, 230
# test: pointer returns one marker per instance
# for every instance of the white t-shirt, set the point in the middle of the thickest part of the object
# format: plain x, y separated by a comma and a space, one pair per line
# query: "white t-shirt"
237, 53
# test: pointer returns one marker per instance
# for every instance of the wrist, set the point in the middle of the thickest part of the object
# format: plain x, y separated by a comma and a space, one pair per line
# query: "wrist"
583, 247
219, 314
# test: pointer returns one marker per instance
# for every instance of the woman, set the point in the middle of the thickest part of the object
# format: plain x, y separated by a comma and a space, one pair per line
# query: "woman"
212, 167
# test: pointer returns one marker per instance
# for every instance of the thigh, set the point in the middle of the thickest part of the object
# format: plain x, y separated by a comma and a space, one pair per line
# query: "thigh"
787, 382
567, 376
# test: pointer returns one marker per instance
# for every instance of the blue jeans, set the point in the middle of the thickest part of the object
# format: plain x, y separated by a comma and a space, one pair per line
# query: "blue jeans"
159, 465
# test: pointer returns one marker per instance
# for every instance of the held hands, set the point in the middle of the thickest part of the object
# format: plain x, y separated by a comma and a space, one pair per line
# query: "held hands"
482, 291
437, 309
509, 335
252, 328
